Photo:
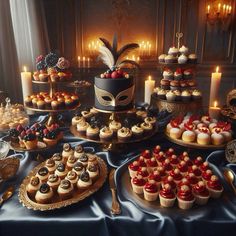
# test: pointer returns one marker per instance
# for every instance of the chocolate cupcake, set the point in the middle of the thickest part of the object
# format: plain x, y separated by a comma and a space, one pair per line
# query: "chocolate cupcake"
43, 174
79, 150
124, 134
92, 132
65, 189
44, 194
84, 181
106, 134
165, 84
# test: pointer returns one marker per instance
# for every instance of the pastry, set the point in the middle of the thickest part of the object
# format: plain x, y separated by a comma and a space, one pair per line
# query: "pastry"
173, 51
186, 96
150, 120
161, 58
184, 181
165, 84
188, 136
170, 59
143, 171
169, 180
160, 157
44, 194
57, 158
174, 161
182, 59
138, 183
93, 171
124, 134
152, 164
61, 171
43, 77
84, 181
87, 115
192, 58
67, 151
167, 196
51, 165
201, 193
185, 197
203, 138
193, 180
150, 191
114, 126
178, 74
217, 139
147, 127
177, 95
162, 93
48, 102
106, 134
198, 161
28, 101
70, 162
183, 168
92, 159
33, 186
72, 177
227, 136
133, 168
183, 50
214, 186
170, 96
155, 176
78, 168
141, 114
43, 174
196, 171
83, 159
77, 119
82, 127
174, 85
92, 132
65, 189
206, 175
168, 74
79, 150
137, 131
53, 182
55, 105
175, 133
30, 141
176, 174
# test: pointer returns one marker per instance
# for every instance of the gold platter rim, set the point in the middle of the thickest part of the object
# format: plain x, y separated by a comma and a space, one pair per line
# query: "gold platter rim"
194, 145
51, 110
49, 82
74, 131
28, 203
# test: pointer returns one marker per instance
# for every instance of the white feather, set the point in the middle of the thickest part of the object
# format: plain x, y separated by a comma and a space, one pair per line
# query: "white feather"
106, 56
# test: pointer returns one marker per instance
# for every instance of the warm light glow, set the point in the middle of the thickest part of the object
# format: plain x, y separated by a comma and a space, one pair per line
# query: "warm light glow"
215, 103
149, 77
217, 69
208, 9
79, 58
24, 68
138, 59
230, 8
224, 7
88, 59
83, 58
219, 6
89, 46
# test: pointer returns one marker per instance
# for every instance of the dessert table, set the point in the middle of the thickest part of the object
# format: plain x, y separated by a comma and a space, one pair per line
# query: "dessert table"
92, 215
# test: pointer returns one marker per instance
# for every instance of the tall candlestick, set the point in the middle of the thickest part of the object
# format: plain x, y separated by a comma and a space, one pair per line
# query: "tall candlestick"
214, 111
208, 9
79, 61
149, 88
219, 6
215, 85
84, 59
88, 62
26, 82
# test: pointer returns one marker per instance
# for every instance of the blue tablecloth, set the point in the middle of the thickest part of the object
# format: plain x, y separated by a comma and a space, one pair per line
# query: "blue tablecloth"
92, 216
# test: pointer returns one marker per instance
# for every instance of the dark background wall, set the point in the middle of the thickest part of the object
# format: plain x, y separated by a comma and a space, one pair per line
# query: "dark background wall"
72, 24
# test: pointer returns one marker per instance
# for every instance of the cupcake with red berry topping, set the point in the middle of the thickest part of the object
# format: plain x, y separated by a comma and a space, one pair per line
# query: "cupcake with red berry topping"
150, 191
205, 166
152, 164
184, 181
201, 193
214, 186
162, 171
143, 171
156, 176
196, 171
183, 168
146, 154
198, 161
156, 149
206, 175
142, 161
185, 197
169, 180
160, 157
133, 168
169, 152
177, 176
174, 161
193, 180
188, 161
138, 183
167, 196
167, 166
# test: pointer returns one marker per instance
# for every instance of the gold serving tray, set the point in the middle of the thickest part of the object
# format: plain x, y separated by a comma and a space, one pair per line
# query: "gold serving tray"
194, 145
74, 131
77, 195
49, 82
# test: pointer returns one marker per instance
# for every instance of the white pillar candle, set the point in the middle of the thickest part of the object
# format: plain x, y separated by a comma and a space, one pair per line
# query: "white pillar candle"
79, 61
214, 111
149, 88
84, 60
215, 85
26, 82
88, 62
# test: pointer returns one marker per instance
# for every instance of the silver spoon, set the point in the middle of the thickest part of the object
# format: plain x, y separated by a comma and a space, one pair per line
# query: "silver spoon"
229, 176
6, 195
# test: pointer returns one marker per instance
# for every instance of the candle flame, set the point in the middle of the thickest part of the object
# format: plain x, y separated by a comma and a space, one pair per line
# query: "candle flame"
78, 58
24, 68
88, 59
230, 8
208, 8
215, 103
83, 58
149, 77
217, 69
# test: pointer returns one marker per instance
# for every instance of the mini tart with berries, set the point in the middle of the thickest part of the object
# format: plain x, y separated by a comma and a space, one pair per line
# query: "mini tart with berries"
214, 186
30, 141
167, 196
138, 183
150, 191
185, 197
201, 193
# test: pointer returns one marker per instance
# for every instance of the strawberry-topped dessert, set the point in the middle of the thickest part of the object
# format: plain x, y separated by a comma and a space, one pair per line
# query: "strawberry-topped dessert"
184, 181
188, 161
150, 191
169, 180
152, 164
183, 167
174, 161
162, 171
156, 149
192, 179
142, 162
185, 197
174, 123
183, 155
160, 157
177, 176
156, 176
203, 129
214, 186
52, 134
198, 161
169, 152
205, 166
196, 171
201, 193
167, 196
206, 175
29, 139
206, 119
167, 166
133, 168
138, 183
143, 172
146, 154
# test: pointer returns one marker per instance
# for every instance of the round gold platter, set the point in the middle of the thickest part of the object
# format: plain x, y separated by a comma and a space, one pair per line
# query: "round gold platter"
194, 144
74, 131
57, 203
49, 82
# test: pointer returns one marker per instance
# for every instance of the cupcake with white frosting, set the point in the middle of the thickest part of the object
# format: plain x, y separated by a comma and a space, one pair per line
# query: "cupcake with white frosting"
65, 189
84, 181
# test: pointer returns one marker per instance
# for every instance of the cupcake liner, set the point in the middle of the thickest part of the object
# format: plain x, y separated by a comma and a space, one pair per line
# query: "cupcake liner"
151, 197
201, 200
215, 193
132, 173
185, 204
137, 189
165, 202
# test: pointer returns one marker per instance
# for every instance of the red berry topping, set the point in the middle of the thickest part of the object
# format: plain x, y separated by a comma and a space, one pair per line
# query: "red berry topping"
152, 162
205, 166
157, 149
195, 170
206, 175
139, 180
185, 193
155, 176
192, 179
146, 154
151, 187
167, 192
214, 183
134, 166
200, 189
198, 161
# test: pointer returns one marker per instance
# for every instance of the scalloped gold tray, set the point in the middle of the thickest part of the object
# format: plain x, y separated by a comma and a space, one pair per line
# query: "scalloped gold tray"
194, 145
57, 204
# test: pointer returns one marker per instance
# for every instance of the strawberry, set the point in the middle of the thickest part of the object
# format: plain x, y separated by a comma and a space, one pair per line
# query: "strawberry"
120, 73
114, 75
108, 75
146, 154
45, 131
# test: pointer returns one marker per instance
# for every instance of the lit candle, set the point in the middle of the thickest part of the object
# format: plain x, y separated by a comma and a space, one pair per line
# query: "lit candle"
79, 60
215, 85
219, 6
227, 9
149, 49
138, 59
26, 82
224, 6
88, 62
149, 88
214, 111
89, 47
208, 9
84, 60
230, 8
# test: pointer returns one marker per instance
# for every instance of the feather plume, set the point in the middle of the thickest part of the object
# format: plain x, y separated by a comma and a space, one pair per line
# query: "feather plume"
107, 44
114, 47
106, 56
128, 62
125, 50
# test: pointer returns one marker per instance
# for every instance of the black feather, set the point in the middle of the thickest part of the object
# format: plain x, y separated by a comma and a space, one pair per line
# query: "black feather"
107, 44
127, 62
127, 47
